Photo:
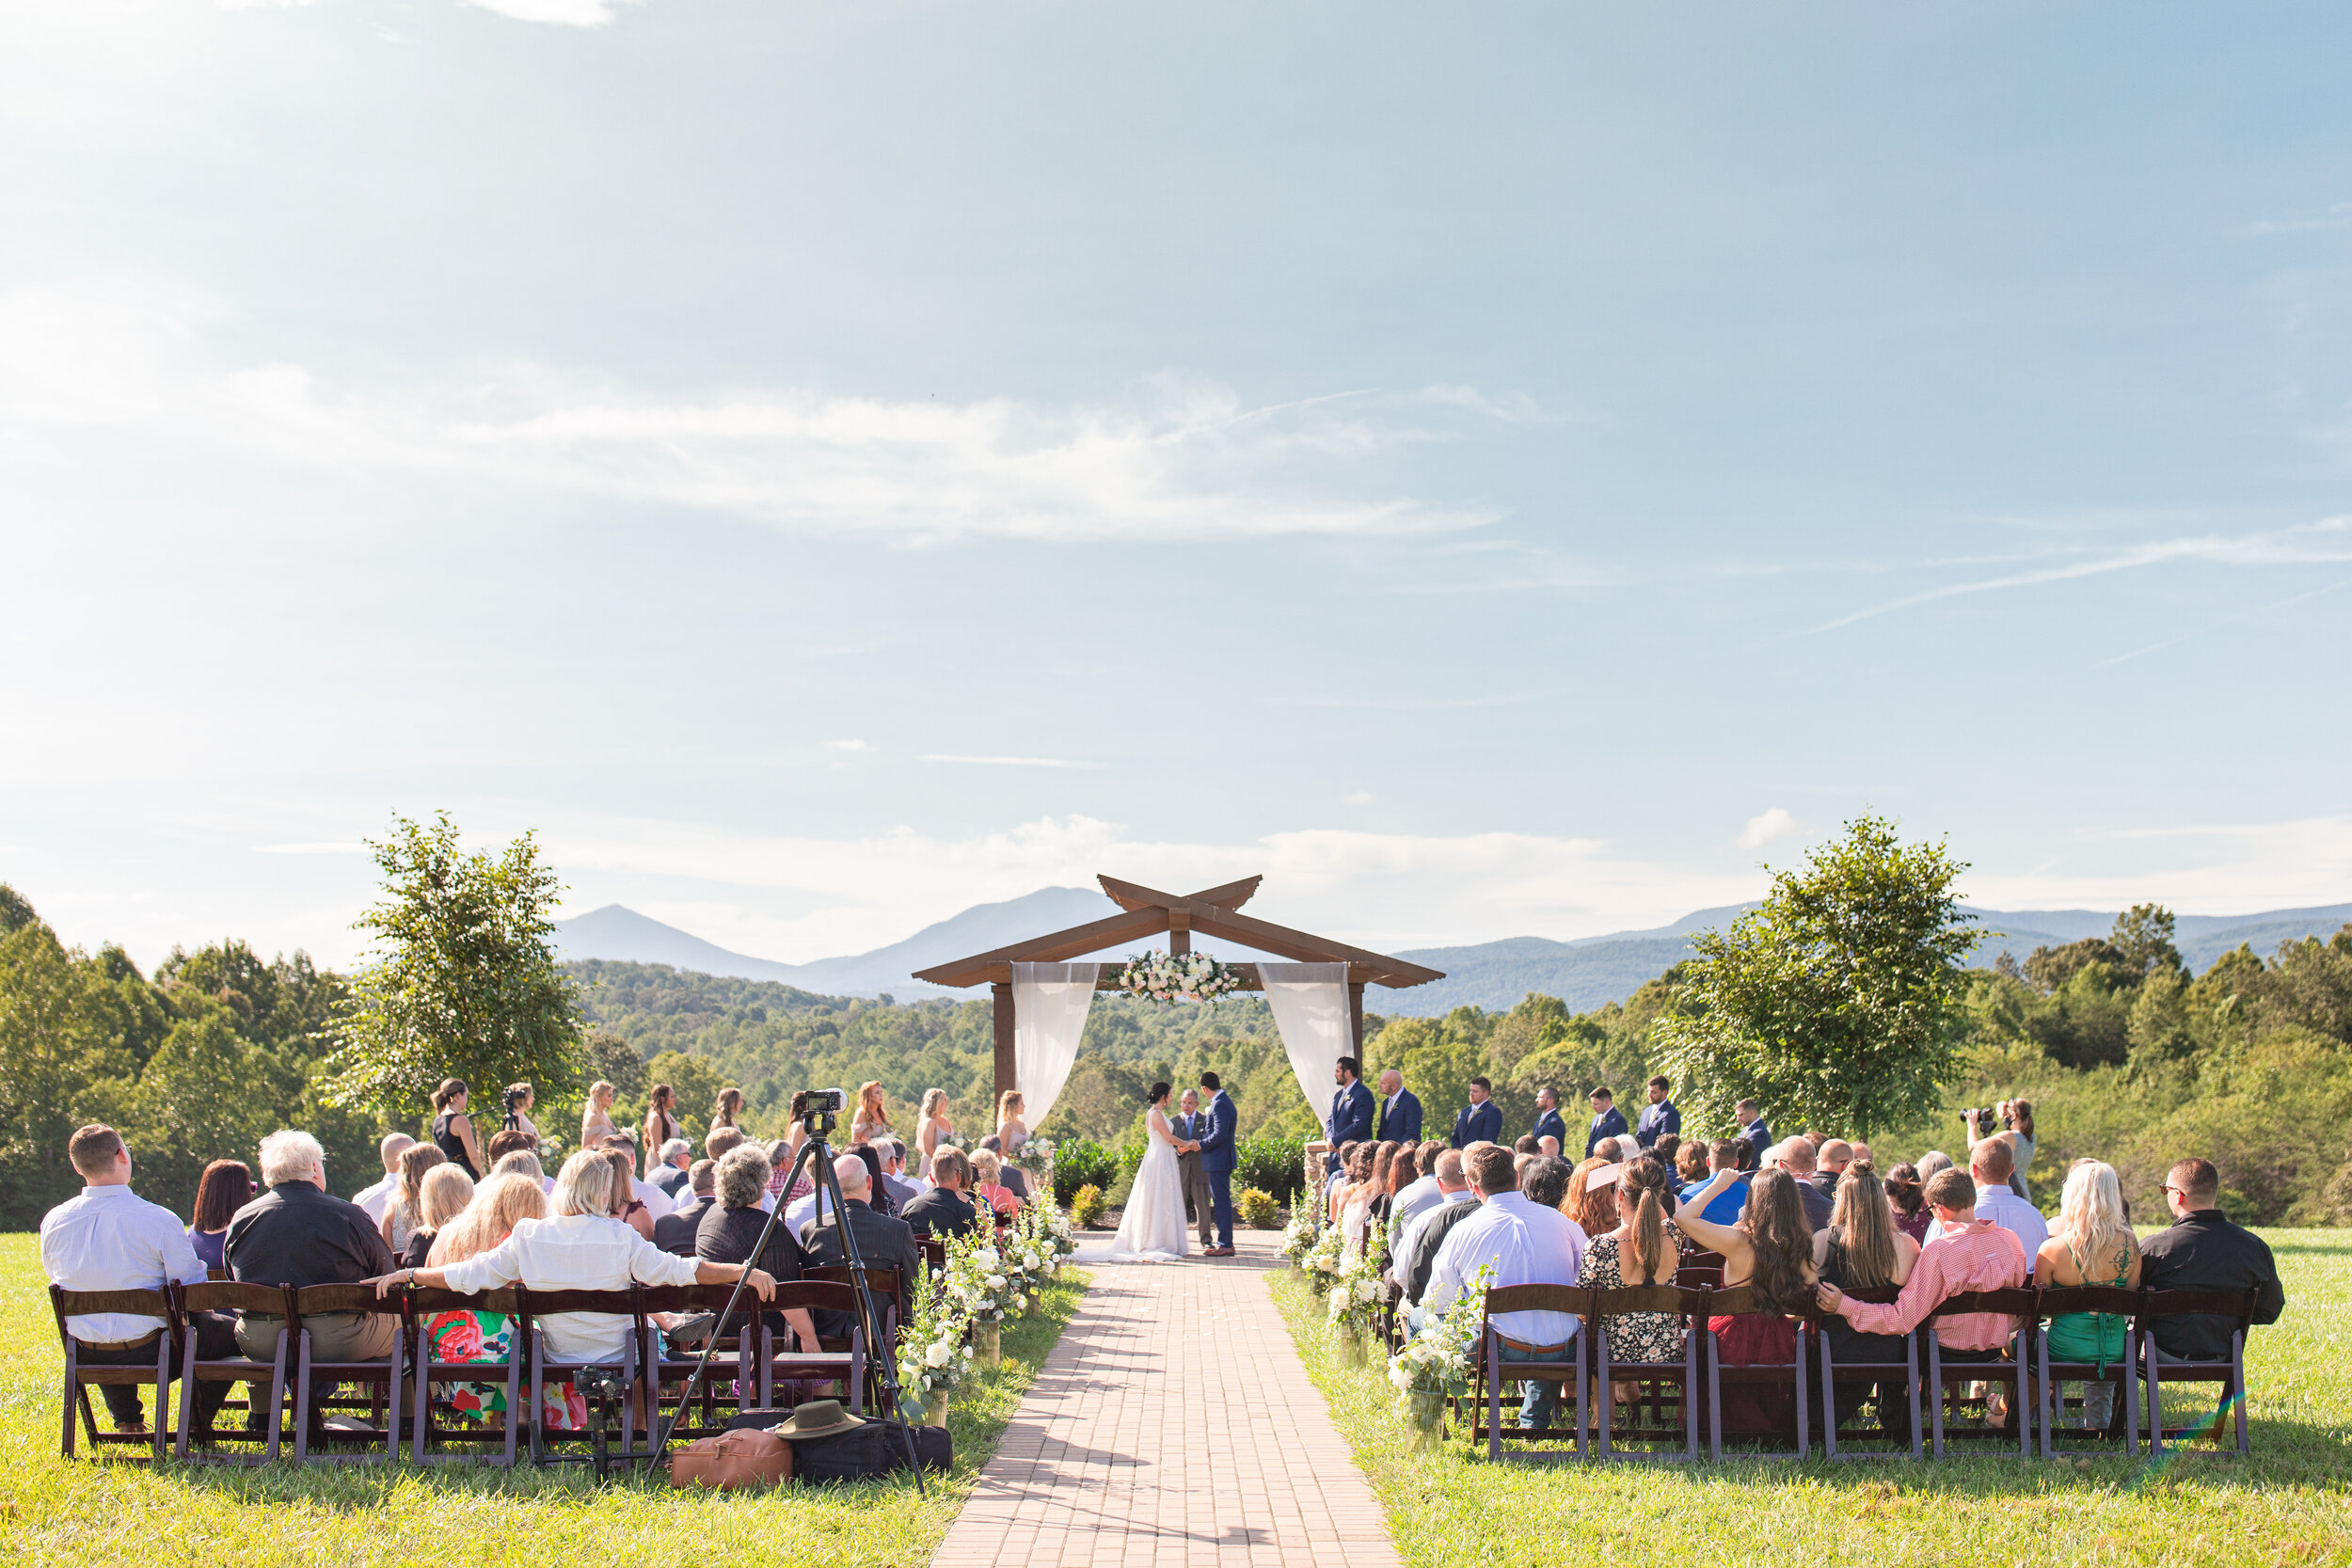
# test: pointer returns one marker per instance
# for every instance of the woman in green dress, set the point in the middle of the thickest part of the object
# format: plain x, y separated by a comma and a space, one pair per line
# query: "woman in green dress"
2091, 1244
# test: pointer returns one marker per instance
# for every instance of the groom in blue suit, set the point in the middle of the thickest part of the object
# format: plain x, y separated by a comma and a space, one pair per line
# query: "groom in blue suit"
1351, 1109
1217, 1163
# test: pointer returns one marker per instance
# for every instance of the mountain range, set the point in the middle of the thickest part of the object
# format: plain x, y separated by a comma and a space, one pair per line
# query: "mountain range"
1583, 972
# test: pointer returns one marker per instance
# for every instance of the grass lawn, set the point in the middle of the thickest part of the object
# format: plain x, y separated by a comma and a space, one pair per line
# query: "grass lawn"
81, 1510
2290, 1503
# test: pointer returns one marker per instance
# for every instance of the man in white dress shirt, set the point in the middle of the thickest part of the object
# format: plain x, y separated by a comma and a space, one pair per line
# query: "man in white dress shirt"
1991, 1163
1527, 1244
373, 1198
108, 1237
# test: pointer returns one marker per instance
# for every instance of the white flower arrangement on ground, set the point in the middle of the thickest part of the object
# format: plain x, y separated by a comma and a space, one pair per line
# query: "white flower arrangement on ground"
1177, 977
1359, 1292
1437, 1360
1030, 1256
1304, 1230
1322, 1262
978, 1283
935, 1357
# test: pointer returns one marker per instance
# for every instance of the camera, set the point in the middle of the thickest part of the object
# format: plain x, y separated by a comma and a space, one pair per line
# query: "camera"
513, 1103
600, 1384
815, 1109
1982, 1121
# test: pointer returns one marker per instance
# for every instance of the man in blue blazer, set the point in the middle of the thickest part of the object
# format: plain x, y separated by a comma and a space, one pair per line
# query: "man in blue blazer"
1399, 1119
1217, 1164
1351, 1109
1481, 1120
1548, 1122
1660, 1117
1753, 1131
1607, 1121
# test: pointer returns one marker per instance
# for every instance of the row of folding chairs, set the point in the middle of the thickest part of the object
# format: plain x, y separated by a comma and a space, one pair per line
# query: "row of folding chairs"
747, 1365
1681, 1399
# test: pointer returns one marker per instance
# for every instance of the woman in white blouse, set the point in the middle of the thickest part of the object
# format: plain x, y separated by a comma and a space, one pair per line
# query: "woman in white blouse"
582, 1248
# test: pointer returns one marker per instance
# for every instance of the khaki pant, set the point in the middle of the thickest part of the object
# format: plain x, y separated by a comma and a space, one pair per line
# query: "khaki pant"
334, 1337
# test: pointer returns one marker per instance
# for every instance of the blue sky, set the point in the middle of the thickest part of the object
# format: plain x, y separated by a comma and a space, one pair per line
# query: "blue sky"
1504, 469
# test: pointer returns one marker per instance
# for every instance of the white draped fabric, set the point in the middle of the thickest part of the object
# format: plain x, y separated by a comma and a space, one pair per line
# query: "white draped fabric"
1309, 1003
1050, 1002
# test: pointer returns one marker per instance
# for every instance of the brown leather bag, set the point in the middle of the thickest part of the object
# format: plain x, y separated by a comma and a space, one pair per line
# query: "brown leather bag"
733, 1460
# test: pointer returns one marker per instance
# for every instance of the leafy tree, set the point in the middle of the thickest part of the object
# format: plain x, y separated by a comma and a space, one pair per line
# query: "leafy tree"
2142, 940
463, 983
208, 1093
57, 1068
2050, 968
606, 1057
1836, 1003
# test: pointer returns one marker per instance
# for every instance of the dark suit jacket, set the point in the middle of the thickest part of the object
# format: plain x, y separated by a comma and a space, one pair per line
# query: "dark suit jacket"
1351, 1118
941, 1213
1656, 1123
883, 1241
1548, 1125
674, 1231
1817, 1205
1478, 1123
1403, 1124
1216, 1145
1757, 1136
1609, 1124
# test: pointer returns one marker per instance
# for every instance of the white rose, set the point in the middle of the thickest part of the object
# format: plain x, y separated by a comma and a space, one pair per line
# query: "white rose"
936, 1356
1400, 1377
985, 1258
996, 1282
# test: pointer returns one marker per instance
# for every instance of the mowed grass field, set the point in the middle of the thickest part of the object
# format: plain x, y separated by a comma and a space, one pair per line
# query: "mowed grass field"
82, 1511
2289, 1503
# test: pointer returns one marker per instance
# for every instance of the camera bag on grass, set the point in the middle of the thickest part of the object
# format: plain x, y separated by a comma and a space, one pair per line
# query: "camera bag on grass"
732, 1461
830, 1444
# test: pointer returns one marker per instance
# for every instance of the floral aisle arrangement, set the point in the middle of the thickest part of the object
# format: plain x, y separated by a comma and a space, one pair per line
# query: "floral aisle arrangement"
1035, 1158
937, 1359
1177, 977
1304, 1230
1436, 1362
1323, 1259
982, 1290
1031, 1257
1357, 1294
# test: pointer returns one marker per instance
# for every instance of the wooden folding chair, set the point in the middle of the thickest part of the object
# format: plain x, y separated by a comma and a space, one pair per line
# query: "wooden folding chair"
2050, 1378
732, 1363
232, 1296
1682, 1375
1740, 1301
845, 1367
534, 1307
2018, 1305
1700, 1270
934, 1253
890, 1301
1576, 1302
1881, 1373
423, 1306
383, 1379
78, 1377
2238, 1306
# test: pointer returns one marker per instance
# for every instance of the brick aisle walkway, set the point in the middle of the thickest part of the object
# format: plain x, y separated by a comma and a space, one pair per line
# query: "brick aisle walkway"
1174, 1423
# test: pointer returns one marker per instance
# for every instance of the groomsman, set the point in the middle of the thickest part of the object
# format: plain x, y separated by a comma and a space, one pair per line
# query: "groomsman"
1192, 1177
1481, 1120
1548, 1122
1351, 1109
1659, 1118
1607, 1121
1400, 1113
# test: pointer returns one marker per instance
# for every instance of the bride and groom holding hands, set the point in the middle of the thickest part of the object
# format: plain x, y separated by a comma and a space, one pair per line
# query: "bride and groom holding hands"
1153, 1230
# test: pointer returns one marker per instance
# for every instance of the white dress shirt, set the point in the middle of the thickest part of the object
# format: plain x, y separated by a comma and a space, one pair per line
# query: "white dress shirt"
111, 1239
1409, 1237
657, 1202
1528, 1245
573, 1251
2013, 1213
1415, 1198
373, 1198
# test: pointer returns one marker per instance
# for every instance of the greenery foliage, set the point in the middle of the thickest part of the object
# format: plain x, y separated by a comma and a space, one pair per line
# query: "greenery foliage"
1257, 1208
1085, 1208
1080, 1163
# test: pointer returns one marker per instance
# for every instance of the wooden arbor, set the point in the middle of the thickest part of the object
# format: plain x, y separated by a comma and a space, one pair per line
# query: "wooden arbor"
1148, 913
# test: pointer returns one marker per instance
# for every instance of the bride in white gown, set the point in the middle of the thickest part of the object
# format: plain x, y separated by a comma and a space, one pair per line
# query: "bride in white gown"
1153, 1230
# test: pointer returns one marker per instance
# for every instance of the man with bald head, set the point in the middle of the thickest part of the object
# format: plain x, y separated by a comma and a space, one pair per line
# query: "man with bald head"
883, 1241
373, 1198
1832, 1156
1397, 1119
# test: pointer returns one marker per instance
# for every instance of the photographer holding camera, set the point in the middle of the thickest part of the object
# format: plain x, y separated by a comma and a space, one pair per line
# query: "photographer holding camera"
518, 1100
2014, 1118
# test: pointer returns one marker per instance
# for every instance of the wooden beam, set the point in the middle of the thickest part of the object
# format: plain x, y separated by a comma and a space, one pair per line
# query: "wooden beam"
1266, 937
1008, 1065
1057, 947
1001, 974
1356, 1019
1135, 896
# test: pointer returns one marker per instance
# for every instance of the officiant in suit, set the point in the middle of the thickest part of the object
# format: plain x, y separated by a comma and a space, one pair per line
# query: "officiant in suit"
1190, 1126
1351, 1109
1399, 1119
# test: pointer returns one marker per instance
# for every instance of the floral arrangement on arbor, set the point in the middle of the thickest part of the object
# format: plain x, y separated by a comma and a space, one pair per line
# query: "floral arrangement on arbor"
1437, 1360
1358, 1291
935, 1352
1177, 976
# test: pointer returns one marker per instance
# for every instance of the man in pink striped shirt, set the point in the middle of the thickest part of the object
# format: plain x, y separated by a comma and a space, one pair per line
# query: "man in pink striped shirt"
1970, 1254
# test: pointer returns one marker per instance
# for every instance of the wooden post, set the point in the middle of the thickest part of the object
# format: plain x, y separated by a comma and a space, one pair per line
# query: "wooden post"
1180, 929
1356, 1018
1007, 1069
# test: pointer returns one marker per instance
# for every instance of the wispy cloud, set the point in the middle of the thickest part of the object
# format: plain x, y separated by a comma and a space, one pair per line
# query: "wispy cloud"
2336, 216
320, 848
1176, 460
1011, 761
847, 746
1762, 830
561, 13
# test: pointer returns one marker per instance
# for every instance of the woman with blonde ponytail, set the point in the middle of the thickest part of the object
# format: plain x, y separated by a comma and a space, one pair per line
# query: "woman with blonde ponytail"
1645, 1248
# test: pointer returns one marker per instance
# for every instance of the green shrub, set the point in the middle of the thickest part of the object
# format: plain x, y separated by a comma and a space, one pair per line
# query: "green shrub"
1258, 1210
1085, 1208
1081, 1163
1273, 1166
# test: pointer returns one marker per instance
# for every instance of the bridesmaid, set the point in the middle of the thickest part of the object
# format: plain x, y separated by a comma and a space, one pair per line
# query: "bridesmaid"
662, 1125
932, 1131
871, 1120
596, 1122
1011, 1132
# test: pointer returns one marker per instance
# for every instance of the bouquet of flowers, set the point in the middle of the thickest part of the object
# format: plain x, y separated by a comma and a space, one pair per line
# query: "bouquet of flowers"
978, 1281
1036, 1157
935, 1360
1323, 1260
1437, 1360
1177, 977
1358, 1291
1304, 1230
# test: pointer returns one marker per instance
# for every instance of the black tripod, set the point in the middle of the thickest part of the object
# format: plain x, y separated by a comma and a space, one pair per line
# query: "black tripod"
817, 1119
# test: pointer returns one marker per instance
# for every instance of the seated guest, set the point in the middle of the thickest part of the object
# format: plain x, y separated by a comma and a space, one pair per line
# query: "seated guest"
463, 1334
1860, 1248
1727, 1198
402, 1211
447, 1191
1831, 1158
582, 1248
1527, 1145
523, 1162
1595, 1187
1907, 1202
1669, 1149
720, 1139
657, 1202
2202, 1251
943, 1210
1934, 1160
1690, 1162
731, 1225
883, 1241
510, 1142
1989, 1164
224, 1187
2091, 1244
1770, 1250
374, 1196
299, 1234
1795, 1156
629, 1205
1966, 1254
1525, 1242
1547, 1145
1012, 1176
1644, 1249
1416, 1250
903, 1189
1414, 1198
107, 1238
988, 1187
677, 1160
674, 1231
